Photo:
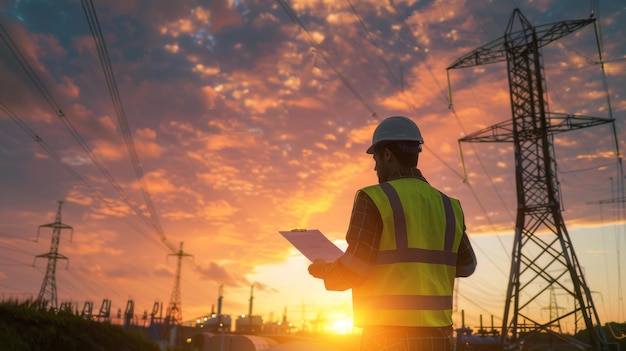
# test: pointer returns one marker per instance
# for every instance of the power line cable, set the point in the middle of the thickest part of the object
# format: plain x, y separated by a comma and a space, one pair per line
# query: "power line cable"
398, 81
96, 33
98, 37
478, 305
13, 249
415, 43
621, 206
374, 43
23, 62
341, 77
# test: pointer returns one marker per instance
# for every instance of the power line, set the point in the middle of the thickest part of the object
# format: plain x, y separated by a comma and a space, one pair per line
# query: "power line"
374, 43
96, 33
620, 168
92, 19
23, 62
407, 28
341, 77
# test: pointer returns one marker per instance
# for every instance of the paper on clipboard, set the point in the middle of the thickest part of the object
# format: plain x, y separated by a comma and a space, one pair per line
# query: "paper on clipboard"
312, 244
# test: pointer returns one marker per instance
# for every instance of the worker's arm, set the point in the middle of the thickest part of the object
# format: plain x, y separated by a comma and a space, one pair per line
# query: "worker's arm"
466, 259
363, 237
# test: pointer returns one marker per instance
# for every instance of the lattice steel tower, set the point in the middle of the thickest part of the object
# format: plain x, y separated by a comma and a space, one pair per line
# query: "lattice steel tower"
48, 293
540, 262
174, 309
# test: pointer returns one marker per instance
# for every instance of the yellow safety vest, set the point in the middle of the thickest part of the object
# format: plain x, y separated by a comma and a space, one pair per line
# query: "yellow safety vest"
412, 281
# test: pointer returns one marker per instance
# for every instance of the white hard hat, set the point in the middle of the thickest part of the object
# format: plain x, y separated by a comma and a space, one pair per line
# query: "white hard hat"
396, 128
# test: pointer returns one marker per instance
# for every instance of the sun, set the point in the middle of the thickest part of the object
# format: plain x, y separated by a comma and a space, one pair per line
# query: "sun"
342, 326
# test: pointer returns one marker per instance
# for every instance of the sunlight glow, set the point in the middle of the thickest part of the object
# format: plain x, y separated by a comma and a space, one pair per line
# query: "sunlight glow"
342, 326
339, 323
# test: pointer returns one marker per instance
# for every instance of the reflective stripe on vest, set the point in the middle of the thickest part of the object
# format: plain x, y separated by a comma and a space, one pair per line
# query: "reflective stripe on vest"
403, 302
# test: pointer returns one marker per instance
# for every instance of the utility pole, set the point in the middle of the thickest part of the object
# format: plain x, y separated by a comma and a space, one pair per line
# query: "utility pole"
48, 293
174, 310
539, 262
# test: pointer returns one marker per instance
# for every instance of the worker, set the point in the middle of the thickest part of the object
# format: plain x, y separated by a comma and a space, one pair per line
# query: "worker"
406, 244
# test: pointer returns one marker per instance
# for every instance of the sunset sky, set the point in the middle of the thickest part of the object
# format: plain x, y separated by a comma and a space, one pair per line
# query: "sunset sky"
223, 122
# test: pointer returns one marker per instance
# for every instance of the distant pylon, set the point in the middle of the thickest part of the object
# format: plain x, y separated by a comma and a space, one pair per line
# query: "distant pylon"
174, 309
48, 293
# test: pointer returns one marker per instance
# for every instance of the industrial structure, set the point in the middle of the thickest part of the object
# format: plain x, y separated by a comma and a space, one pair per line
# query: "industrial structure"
249, 323
48, 293
543, 257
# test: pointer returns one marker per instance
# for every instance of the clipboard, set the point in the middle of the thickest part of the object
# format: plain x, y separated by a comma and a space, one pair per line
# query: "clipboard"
312, 244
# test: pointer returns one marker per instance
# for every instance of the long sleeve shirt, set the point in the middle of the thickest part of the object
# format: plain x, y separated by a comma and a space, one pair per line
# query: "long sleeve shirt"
363, 237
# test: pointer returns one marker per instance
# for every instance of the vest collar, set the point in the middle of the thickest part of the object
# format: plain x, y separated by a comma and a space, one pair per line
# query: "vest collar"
408, 173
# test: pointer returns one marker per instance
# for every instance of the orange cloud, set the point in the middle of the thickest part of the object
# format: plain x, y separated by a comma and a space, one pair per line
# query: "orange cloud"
210, 96
157, 182
69, 88
106, 150
217, 211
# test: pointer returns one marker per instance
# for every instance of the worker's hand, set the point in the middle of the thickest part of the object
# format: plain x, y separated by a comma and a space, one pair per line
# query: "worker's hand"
318, 268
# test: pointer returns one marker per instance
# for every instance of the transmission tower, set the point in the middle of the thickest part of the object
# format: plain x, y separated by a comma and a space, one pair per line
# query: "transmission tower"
174, 310
48, 293
539, 262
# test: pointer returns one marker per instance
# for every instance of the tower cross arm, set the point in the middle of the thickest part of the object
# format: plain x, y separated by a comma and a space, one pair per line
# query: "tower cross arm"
54, 255
559, 123
180, 253
550, 32
491, 52
495, 51
567, 122
501, 132
56, 225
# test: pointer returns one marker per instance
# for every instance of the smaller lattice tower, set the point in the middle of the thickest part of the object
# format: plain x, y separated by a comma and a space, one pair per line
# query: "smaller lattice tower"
174, 309
48, 293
